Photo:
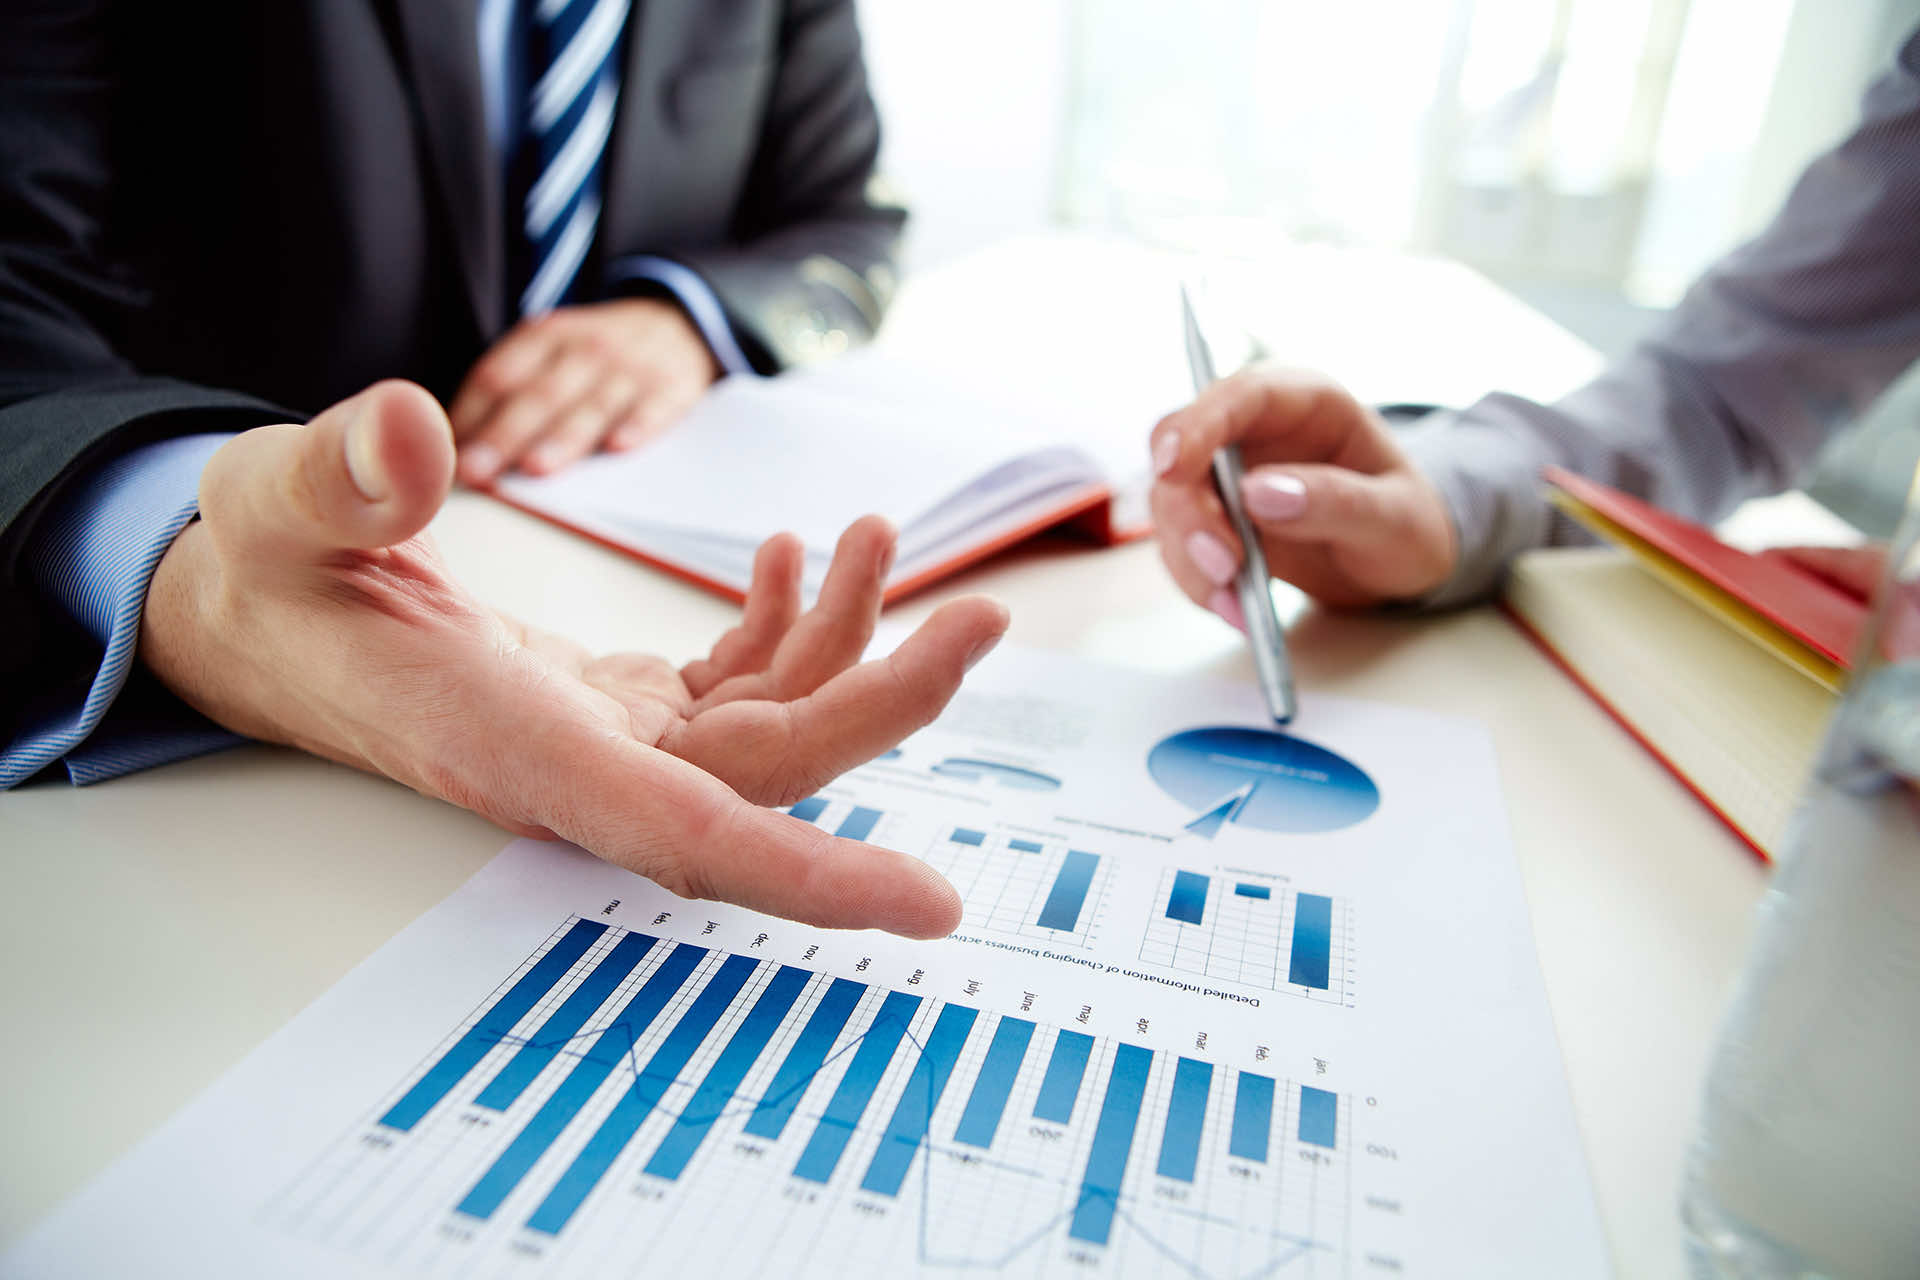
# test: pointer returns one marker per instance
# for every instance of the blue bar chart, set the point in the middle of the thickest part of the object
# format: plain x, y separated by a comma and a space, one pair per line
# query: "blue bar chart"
848, 821
1187, 901
1262, 933
617, 1071
1043, 890
1311, 955
994, 1085
1060, 1087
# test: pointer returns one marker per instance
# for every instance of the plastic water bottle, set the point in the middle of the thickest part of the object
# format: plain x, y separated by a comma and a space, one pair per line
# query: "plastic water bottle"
1806, 1161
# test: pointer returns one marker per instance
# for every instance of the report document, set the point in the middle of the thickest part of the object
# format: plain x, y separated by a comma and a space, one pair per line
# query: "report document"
1225, 1001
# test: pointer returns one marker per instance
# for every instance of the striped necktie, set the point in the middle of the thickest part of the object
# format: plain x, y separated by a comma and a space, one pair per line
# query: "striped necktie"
574, 68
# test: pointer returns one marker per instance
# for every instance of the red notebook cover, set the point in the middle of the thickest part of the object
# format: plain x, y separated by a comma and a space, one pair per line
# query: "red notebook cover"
1813, 611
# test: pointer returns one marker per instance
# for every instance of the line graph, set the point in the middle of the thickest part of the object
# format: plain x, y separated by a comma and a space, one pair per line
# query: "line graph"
902, 1128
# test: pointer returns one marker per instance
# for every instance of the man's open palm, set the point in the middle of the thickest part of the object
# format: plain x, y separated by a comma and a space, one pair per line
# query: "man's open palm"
307, 608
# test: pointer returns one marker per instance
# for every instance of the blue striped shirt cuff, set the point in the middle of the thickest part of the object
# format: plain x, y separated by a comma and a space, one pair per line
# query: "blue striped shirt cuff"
95, 558
697, 297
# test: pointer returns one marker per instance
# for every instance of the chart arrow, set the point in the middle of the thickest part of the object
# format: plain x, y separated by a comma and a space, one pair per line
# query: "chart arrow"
1209, 823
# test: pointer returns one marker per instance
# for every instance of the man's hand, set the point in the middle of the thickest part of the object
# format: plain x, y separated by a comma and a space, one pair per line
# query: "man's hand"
560, 386
306, 607
1342, 513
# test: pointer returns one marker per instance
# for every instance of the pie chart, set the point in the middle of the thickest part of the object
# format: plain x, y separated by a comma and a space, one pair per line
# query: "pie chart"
1262, 779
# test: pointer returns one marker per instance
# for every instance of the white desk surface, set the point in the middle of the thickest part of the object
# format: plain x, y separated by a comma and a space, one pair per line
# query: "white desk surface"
154, 929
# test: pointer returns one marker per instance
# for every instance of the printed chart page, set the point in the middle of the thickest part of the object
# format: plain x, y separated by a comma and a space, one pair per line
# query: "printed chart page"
1226, 1002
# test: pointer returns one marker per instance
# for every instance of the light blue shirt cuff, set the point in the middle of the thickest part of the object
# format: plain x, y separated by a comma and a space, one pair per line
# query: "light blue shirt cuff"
95, 558
702, 304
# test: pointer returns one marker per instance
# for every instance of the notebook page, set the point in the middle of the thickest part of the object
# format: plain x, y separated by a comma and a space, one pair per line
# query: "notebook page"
809, 451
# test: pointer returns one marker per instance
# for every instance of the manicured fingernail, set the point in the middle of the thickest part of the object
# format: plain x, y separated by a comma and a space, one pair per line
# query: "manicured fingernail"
981, 650
1211, 557
1166, 452
478, 463
1274, 495
541, 461
1224, 604
363, 461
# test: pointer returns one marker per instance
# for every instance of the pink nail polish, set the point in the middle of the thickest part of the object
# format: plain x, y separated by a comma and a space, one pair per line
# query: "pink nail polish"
1166, 452
1274, 495
1211, 557
1227, 606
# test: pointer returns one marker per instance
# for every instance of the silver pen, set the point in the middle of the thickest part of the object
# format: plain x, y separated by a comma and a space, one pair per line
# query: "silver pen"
1264, 633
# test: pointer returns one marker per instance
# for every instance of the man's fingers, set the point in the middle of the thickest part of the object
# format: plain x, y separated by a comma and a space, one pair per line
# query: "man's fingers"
679, 826
526, 413
774, 753
369, 472
770, 862
580, 429
834, 633
510, 362
653, 414
773, 602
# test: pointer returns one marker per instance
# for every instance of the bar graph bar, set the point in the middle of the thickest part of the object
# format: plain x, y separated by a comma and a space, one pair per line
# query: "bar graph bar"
850, 1100
1186, 1119
1252, 1117
1312, 940
1060, 1087
609, 1050
494, 1025
1025, 846
1069, 892
965, 835
642, 1096
859, 824
803, 1061
1319, 1116
809, 809
1188, 901
1112, 1144
913, 1114
914, 1153
1260, 891
723, 1079
559, 1030
992, 1087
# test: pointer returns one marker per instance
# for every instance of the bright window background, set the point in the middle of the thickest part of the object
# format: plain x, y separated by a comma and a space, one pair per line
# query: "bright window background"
1589, 155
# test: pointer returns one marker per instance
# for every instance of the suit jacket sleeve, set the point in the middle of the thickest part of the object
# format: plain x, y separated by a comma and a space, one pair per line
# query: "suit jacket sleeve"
68, 400
1773, 350
811, 267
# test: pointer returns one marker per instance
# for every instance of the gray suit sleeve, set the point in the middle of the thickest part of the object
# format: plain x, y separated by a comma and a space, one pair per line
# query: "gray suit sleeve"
1776, 347
813, 267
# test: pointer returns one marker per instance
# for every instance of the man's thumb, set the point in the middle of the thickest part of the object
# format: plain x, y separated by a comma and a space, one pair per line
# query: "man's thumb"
369, 472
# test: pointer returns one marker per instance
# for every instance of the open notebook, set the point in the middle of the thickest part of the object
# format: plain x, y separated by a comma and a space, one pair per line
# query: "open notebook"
960, 471
1721, 662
